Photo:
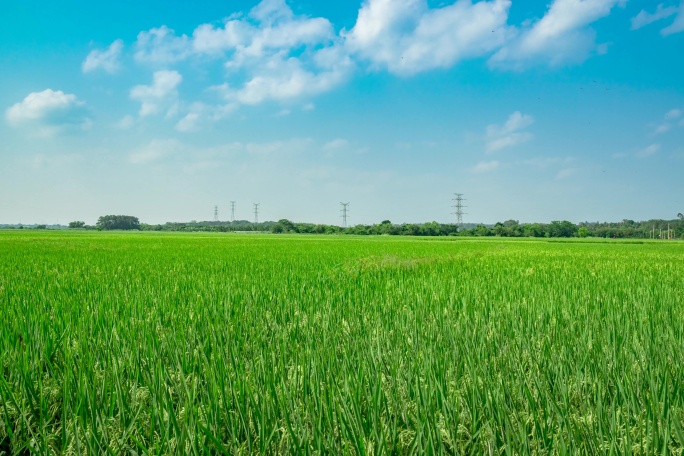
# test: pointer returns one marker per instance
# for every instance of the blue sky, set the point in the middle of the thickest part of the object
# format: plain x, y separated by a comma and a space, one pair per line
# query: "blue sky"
536, 111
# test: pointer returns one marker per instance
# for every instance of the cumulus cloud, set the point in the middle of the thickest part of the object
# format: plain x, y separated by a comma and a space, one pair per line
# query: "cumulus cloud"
560, 37
283, 78
485, 166
107, 60
509, 134
161, 46
50, 110
644, 18
407, 37
269, 54
162, 94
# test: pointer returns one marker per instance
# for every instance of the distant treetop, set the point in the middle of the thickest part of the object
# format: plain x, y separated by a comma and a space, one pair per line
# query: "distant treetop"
118, 222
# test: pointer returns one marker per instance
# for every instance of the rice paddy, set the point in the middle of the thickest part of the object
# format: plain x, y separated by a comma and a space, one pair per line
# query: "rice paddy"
120, 343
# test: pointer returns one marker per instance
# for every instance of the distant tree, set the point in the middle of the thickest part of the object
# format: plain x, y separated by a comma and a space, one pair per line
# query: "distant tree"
562, 229
681, 216
76, 224
583, 232
41, 227
284, 226
118, 222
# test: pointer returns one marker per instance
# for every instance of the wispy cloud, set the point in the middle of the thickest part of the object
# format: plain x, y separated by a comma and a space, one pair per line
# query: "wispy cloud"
644, 18
566, 173
560, 37
663, 128
155, 150
673, 114
107, 60
485, 166
670, 117
678, 25
50, 111
648, 151
509, 134
125, 122
335, 144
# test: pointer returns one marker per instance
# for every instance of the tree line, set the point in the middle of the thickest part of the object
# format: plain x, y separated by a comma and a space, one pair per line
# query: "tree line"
510, 228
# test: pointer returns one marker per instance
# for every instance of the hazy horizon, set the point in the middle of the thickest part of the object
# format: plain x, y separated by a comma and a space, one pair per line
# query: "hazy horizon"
535, 111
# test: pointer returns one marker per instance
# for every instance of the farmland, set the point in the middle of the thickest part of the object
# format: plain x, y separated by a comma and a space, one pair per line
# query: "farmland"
116, 343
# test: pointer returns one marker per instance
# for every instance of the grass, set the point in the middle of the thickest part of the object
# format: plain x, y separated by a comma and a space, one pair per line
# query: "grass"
116, 343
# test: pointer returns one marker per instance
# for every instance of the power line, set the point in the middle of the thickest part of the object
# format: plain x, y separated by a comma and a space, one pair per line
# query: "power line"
256, 212
216, 213
344, 211
232, 211
458, 208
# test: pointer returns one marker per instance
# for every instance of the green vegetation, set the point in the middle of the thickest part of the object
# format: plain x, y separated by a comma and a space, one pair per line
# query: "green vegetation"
656, 229
163, 343
117, 222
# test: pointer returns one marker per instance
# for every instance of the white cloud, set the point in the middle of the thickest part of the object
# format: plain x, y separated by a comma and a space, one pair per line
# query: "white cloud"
644, 18
154, 151
546, 162
270, 54
292, 146
673, 114
565, 173
161, 46
283, 78
663, 128
189, 123
335, 144
407, 37
648, 151
485, 166
560, 37
509, 134
107, 60
50, 110
199, 115
678, 24
161, 95
270, 27
126, 122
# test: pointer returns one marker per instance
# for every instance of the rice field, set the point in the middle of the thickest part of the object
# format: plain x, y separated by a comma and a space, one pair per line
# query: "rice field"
146, 343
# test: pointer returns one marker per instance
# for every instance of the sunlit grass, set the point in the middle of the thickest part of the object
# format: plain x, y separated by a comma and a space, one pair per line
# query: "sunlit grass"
226, 344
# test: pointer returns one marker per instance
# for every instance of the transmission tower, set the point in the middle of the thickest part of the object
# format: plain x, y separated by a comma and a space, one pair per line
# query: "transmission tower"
344, 211
216, 213
458, 208
232, 211
256, 212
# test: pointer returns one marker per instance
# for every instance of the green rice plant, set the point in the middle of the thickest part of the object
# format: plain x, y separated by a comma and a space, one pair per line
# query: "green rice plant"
158, 343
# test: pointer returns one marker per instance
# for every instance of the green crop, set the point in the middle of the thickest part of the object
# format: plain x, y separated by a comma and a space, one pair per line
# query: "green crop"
117, 343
